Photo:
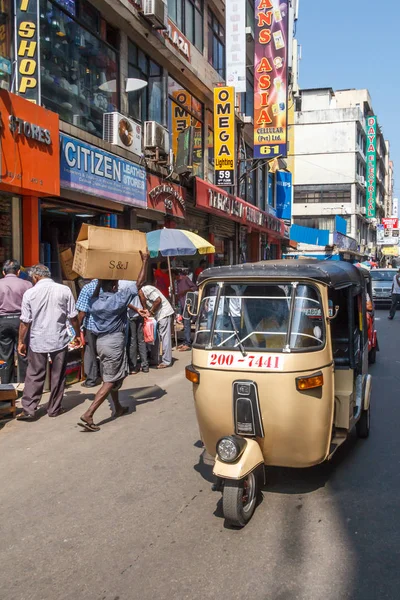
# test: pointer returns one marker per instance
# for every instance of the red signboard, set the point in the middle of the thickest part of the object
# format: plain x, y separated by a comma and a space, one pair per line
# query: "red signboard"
217, 202
165, 196
390, 223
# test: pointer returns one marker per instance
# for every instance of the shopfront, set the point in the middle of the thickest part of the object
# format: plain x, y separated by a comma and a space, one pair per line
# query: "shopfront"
166, 205
240, 231
96, 187
30, 167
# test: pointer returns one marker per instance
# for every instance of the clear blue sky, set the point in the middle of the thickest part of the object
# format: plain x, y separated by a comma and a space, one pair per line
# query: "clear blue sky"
355, 44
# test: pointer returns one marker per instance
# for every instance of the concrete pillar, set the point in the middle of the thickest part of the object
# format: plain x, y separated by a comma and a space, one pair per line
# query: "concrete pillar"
30, 229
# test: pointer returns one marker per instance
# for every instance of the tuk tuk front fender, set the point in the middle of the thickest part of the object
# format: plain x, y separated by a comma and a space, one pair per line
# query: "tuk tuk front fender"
367, 391
250, 458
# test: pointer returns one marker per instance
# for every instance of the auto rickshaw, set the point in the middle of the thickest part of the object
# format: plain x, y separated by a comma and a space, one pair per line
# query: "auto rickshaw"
279, 370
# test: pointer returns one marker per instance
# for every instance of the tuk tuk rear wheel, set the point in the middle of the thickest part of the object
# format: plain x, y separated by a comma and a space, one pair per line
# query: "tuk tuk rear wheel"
239, 499
363, 424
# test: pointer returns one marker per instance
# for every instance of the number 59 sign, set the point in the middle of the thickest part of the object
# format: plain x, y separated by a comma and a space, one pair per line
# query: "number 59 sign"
224, 135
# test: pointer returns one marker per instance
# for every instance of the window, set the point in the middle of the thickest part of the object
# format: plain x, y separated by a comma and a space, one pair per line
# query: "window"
216, 44
76, 65
261, 317
146, 104
184, 110
325, 223
188, 16
322, 194
247, 98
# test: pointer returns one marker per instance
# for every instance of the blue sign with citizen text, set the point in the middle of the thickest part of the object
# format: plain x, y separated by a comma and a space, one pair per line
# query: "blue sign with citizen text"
284, 195
89, 169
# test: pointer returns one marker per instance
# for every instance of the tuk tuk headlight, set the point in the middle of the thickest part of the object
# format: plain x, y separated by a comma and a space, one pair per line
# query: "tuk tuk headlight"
230, 448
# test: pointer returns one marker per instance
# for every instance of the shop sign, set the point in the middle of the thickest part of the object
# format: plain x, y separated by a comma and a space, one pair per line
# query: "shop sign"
284, 191
30, 162
218, 202
344, 242
224, 136
181, 119
178, 40
390, 251
165, 196
371, 167
93, 171
27, 49
395, 208
390, 223
235, 35
270, 79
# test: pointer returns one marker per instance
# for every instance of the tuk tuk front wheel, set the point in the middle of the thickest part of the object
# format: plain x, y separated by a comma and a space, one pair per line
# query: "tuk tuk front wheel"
363, 424
239, 499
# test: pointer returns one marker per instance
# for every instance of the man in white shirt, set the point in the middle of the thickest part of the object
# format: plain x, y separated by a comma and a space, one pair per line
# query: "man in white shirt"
395, 295
45, 312
157, 306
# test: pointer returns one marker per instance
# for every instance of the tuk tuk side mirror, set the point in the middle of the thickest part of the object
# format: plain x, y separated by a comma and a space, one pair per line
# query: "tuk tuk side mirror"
192, 302
334, 315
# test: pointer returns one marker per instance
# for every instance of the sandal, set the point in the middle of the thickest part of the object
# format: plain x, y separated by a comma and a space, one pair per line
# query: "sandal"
184, 348
88, 426
163, 366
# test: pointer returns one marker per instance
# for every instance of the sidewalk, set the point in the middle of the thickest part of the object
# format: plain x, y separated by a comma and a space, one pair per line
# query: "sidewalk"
136, 389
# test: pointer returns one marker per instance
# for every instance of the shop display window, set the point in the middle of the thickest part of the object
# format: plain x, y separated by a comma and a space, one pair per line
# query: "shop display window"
6, 246
184, 111
75, 64
146, 104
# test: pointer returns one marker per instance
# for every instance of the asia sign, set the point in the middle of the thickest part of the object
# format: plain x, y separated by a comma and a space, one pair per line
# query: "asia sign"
224, 136
27, 49
270, 78
236, 44
371, 167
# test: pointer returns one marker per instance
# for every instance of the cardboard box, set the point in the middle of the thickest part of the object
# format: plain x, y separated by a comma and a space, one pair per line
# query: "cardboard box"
105, 253
72, 287
66, 259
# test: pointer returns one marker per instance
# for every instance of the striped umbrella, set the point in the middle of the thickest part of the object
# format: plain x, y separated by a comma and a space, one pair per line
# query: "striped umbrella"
177, 242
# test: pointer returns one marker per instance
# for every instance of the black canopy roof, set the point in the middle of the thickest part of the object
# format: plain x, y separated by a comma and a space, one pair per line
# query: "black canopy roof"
335, 274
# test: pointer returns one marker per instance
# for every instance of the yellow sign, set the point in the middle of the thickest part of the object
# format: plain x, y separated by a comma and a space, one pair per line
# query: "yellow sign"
224, 135
181, 119
27, 49
390, 251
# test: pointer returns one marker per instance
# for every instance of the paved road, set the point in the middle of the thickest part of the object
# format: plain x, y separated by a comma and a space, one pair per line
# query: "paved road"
127, 513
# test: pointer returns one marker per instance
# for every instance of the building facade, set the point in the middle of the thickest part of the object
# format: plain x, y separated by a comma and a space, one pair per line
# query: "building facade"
330, 163
125, 78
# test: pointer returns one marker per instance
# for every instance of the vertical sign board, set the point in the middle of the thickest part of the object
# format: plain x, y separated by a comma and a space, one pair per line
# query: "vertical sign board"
395, 210
224, 135
27, 49
181, 119
371, 167
270, 78
284, 190
236, 44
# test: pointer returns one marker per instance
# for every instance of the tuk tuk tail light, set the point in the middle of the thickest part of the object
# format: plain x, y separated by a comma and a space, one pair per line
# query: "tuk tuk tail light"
309, 383
192, 375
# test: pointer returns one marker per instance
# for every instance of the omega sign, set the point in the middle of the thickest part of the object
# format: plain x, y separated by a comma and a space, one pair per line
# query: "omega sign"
27, 50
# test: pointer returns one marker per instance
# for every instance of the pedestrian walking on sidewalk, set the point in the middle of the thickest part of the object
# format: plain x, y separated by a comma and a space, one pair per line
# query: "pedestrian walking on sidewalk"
45, 312
395, 295
156, 305
86, 321
12, 289
183, 286
108, 308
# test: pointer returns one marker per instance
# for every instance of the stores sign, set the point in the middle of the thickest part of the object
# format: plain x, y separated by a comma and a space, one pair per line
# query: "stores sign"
224, 136
27, 49
270, 79
236, 44
371, 167
93, 171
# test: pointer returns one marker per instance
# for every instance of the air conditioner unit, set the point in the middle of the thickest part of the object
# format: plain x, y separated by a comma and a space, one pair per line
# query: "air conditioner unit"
363, 210
156, 137
249, 33
155, 12
123, 132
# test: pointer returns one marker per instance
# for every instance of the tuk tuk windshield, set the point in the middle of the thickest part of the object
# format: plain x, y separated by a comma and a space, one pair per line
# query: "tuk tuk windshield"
251, 316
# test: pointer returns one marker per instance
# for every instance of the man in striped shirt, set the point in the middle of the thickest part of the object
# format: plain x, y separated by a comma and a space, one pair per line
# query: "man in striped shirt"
86, 320
45, 312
